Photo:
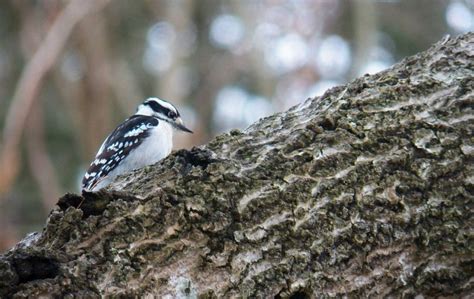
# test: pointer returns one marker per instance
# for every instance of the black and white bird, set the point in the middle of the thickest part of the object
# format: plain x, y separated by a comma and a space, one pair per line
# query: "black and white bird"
143, 139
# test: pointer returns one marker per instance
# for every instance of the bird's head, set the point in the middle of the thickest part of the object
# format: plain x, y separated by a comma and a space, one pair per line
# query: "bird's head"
164, 111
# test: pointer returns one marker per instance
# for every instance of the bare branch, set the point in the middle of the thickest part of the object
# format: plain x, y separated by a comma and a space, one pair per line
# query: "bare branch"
30, 81
363, 192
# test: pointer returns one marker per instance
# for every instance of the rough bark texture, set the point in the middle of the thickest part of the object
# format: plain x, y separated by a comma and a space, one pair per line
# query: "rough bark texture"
365, 191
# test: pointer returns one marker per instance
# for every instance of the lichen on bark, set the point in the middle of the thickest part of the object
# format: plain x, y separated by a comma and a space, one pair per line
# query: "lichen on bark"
366, 191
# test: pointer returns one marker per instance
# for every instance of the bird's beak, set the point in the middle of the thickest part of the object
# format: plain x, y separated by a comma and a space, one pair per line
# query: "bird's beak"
180, 125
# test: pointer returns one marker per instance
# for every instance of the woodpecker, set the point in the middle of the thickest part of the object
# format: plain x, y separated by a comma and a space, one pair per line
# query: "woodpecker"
142, 139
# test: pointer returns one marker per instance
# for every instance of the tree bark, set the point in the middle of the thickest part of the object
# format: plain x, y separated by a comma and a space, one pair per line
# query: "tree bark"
366, 191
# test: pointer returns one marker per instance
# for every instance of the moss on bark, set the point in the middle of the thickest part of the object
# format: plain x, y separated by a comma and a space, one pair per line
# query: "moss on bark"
364, 191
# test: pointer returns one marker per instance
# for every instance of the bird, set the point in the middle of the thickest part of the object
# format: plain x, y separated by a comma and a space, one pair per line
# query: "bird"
142, 139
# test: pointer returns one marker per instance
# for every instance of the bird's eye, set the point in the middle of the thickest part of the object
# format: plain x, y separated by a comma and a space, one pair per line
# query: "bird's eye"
171, 114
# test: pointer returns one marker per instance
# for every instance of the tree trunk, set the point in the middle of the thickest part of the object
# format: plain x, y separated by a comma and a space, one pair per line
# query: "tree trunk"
366, 191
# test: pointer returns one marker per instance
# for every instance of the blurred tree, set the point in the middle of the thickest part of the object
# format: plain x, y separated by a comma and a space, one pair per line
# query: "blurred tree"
363, 192
71, 70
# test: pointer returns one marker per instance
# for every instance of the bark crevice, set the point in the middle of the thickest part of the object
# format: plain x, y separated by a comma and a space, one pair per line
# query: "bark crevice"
366, 191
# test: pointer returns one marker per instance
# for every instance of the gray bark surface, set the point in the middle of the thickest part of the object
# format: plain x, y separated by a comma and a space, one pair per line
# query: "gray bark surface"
366, 191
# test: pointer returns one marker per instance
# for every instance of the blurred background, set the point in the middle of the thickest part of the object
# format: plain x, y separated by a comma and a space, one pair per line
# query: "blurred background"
70, 71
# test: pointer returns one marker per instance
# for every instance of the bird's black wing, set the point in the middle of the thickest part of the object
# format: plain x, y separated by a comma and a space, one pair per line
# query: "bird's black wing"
125, 138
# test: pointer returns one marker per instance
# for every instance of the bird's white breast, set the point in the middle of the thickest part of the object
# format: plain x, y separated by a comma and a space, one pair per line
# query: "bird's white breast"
155, 147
